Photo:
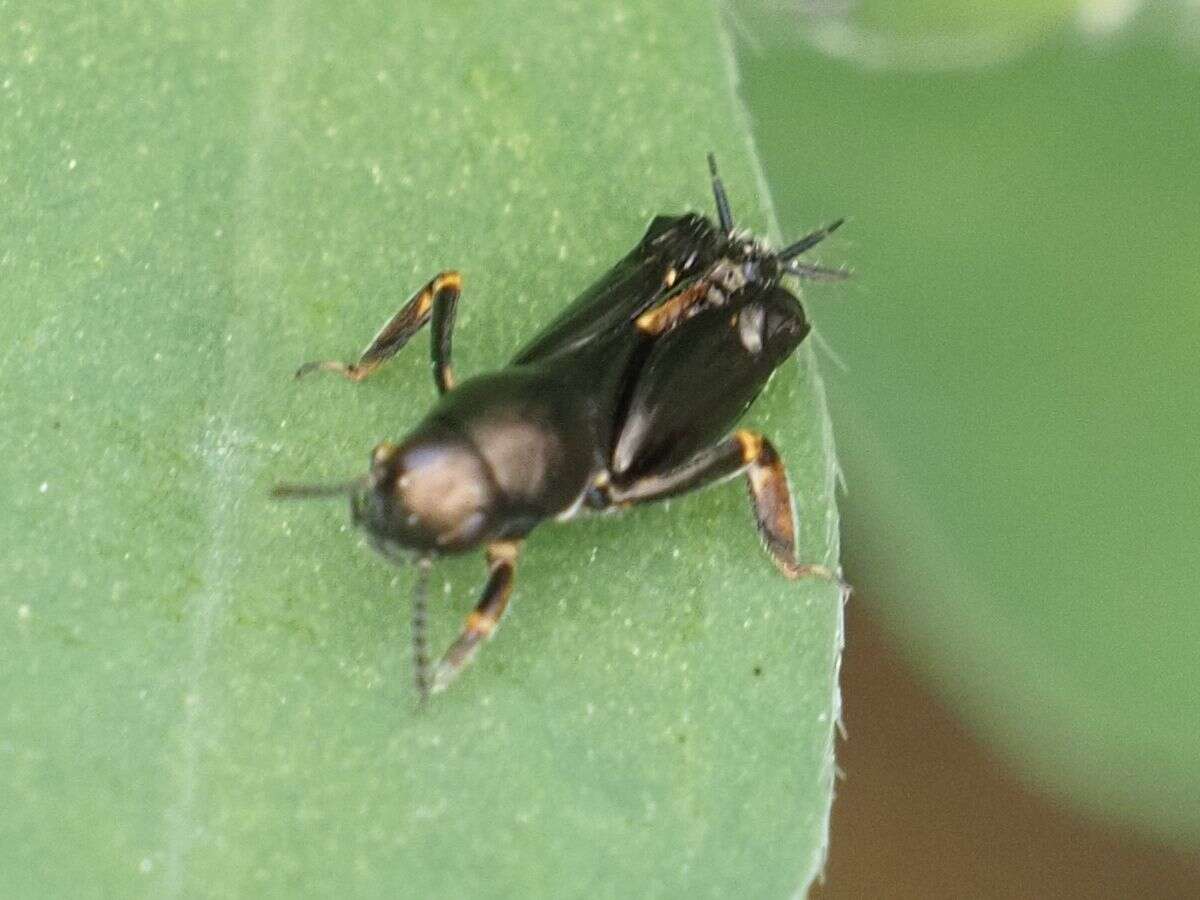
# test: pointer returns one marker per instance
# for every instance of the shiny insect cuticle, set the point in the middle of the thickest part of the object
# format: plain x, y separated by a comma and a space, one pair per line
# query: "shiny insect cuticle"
598, 412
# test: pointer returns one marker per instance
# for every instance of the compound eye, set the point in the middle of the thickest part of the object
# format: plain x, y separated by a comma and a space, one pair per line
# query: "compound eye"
383, 453
382, 458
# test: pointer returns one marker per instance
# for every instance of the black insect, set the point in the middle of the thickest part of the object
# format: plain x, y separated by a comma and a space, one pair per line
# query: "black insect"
628, 397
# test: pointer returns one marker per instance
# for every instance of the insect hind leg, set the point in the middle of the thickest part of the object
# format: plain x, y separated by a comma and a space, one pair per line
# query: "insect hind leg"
810, 240
770, 496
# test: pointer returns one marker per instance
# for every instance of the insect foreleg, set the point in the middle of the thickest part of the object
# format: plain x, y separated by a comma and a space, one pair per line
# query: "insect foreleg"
482, 622
439, 300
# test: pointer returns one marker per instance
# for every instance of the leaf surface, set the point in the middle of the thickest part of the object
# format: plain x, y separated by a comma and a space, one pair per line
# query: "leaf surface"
205, 692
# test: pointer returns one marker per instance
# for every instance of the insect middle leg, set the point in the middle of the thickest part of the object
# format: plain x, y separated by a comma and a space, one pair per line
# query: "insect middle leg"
481, 624
743, 451
437, 300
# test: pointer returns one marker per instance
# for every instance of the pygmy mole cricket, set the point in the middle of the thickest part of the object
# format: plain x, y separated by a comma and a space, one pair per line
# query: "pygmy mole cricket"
629, 396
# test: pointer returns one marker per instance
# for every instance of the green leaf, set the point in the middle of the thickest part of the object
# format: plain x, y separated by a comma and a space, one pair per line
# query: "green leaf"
204, 692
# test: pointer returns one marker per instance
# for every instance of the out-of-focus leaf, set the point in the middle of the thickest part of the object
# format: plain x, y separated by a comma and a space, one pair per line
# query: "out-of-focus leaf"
924, 34
1019, 402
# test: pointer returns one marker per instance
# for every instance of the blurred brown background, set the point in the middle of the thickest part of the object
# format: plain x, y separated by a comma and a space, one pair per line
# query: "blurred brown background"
926, 810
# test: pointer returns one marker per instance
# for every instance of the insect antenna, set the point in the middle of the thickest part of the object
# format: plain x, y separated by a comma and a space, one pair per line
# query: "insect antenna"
723, 211
420, 641
809, 240
315, 491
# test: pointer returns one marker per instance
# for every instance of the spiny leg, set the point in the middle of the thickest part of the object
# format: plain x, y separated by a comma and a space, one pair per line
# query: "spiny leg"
481, 623
817, 273
439, 299
724, 214
687, 300
810, 240
744, 451
662, 318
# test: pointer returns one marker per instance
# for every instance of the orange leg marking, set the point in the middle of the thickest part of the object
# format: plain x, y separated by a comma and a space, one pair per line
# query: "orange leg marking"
481, 624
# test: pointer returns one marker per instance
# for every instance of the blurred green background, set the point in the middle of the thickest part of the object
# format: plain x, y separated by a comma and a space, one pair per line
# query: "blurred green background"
1020, 400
